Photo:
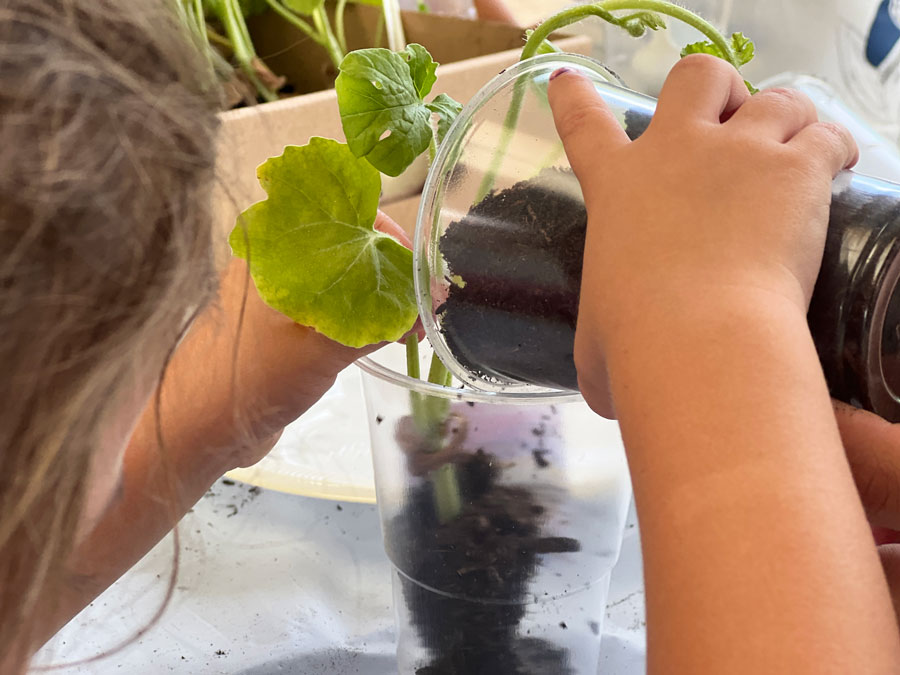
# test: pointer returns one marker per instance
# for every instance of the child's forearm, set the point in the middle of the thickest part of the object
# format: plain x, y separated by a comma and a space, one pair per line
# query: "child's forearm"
158, 488
758, 557
242, 372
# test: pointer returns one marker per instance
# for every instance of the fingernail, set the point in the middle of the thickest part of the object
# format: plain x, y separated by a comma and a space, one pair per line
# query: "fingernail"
557, 73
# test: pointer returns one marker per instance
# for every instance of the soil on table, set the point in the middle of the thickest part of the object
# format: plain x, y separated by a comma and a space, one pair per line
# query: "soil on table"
482, 562
518, 254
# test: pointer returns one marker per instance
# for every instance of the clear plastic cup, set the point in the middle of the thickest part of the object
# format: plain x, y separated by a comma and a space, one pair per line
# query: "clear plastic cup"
500, 237
516, 581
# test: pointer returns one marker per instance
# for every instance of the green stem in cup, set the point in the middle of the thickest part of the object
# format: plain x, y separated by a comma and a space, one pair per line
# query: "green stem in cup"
644, 15
311, 246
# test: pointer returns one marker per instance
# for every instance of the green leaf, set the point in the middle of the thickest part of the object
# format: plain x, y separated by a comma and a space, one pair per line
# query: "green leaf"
702, 47
741, 46
314, 253
422, 68
306, 7
380, 94
447, 110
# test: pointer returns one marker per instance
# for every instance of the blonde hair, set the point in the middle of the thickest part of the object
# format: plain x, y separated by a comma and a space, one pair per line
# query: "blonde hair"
106, 159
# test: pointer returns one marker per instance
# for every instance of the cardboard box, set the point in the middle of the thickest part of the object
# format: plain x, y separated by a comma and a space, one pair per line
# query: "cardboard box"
249, 136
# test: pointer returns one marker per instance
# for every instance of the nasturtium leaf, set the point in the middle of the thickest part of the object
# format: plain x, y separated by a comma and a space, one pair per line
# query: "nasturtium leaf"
422, 68
382, 110
314, 253
702, 47
447, 111
741, 45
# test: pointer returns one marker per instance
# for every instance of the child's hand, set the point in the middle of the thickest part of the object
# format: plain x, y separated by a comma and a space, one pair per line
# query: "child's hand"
873, 451
724, 197
245, 371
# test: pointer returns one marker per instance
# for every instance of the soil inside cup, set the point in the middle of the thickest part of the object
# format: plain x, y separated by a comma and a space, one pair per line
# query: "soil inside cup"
481, 561
514, 270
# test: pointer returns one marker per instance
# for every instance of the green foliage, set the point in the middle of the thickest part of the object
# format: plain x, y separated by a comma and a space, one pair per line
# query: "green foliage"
447, 110
743, 48
314, 253
381, 95
640, 22
253, 7
307, 7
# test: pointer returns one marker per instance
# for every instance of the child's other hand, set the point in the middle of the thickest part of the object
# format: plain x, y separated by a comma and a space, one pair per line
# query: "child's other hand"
245, 371
724, 198
873, 452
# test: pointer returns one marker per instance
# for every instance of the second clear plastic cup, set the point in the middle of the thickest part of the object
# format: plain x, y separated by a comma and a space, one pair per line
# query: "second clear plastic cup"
500, 239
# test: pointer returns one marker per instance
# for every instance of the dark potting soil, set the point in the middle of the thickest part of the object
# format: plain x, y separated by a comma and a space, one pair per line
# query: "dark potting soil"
519, 255
636, 123
857, 257
485, 559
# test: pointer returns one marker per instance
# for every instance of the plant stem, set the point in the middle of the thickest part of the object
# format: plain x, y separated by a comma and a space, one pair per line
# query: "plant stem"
437, 372
220, 40
604, 9
200, 20
412, 356
569, 16
429, 414
379, 30
329, 42
447, 497
295, 20
394, 23
339, 24
244, 54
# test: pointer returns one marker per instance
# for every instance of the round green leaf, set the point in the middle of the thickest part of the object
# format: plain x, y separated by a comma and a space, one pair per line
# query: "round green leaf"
381, 98
314, 253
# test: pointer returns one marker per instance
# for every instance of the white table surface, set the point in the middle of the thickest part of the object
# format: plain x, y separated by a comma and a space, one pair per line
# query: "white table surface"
274, 583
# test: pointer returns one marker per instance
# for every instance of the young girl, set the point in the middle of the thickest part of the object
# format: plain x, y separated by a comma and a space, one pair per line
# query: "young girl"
132, 380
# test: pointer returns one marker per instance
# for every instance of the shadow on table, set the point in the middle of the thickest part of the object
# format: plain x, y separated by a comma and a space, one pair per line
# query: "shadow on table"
329, 662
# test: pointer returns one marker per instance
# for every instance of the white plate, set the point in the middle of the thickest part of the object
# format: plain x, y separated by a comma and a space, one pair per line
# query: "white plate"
325, 453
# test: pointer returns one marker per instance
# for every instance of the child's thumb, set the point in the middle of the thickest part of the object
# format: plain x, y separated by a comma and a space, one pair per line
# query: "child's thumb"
586, 125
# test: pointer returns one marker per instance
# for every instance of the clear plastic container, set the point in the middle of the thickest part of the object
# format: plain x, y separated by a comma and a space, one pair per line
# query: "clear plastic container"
516, 581
500, 237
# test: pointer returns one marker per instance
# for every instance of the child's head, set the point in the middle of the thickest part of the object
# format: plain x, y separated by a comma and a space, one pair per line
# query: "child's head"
106, 156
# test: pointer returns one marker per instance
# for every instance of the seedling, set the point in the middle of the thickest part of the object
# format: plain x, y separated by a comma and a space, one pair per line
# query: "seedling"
312, 248
309, 16
315, 255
